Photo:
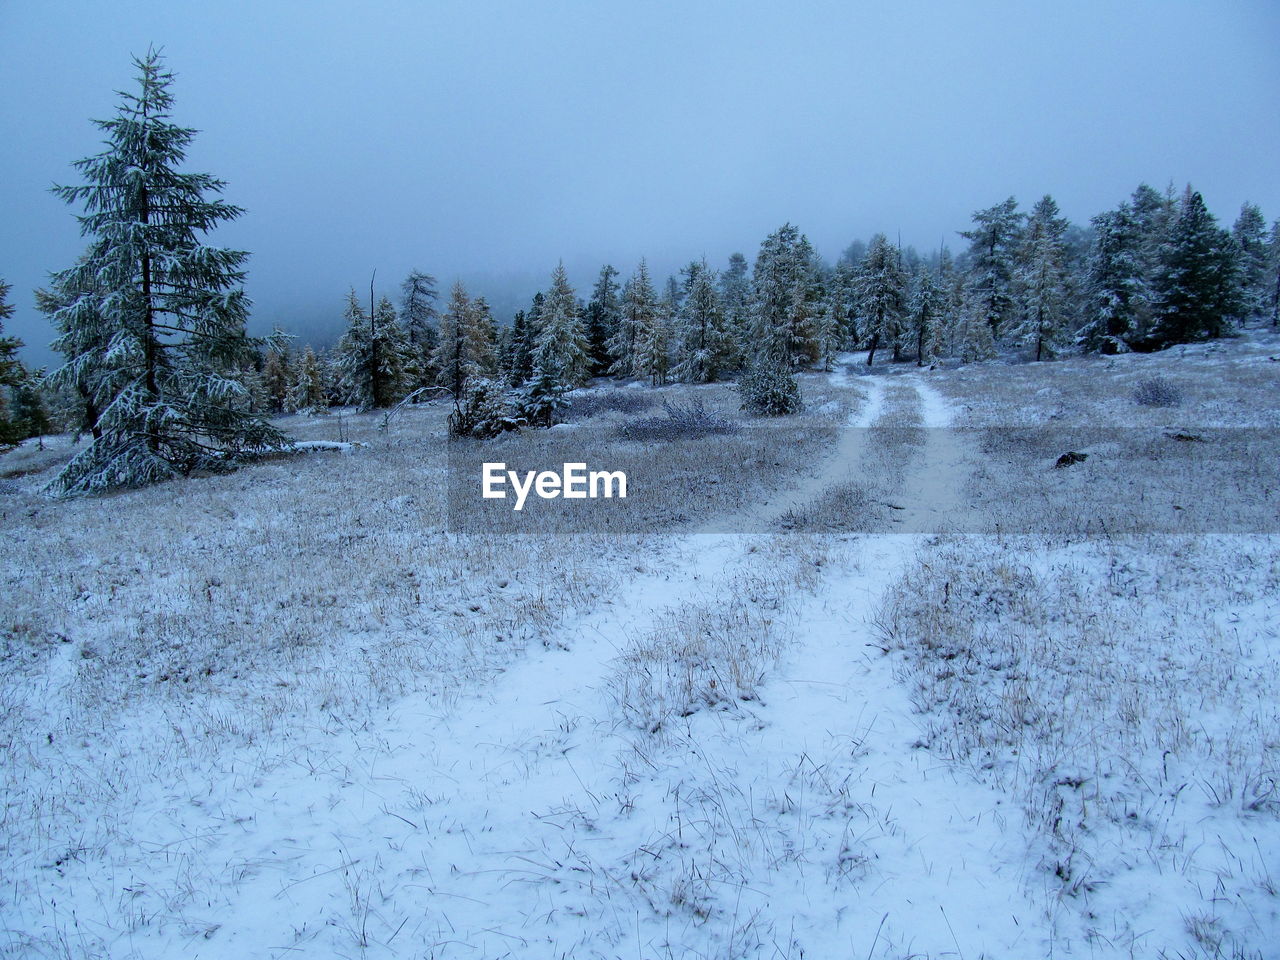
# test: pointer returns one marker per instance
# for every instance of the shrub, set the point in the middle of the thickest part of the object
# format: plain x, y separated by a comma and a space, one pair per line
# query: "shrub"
1157, 392
620, 401
770, 391
484, 410
689, 422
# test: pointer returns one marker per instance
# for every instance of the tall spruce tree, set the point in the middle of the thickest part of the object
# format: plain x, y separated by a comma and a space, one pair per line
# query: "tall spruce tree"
784, 299
993, 243
12, 375
704, 350
453, 363
560, 347
602, 315
1041, 280
1198, 286
882, 296
735, 301
925, 304
418, 314
1115, 287
1273, 267
155, 327
638, 306
371, 355
1250, 235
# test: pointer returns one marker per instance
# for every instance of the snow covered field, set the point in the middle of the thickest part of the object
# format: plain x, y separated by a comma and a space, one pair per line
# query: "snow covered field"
285, 712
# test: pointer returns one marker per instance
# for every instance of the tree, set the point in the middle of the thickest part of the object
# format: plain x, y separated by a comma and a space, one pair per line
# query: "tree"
881, 293
277, 374
784, 299
653, 341
704, 350
520, 364
1116, 287
1042, 280
993, 241
560, 347
153, 320
1273, 259
309, 390
925, 304
603, 314
12, 374
371, 355
638, 306
735, 301
1198, 286
1250, 235
418, 316
453, 359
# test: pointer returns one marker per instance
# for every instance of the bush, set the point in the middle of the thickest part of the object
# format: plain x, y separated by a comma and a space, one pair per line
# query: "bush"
770, 391
690, 422
617, 401
483, 411
1157, 392
542, 400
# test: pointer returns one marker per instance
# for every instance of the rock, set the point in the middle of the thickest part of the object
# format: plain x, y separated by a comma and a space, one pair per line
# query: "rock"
1071, 457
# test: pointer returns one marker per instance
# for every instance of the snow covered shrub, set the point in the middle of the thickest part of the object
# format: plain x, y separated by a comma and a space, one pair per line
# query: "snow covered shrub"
542, 400
1157, 392
770, 391
594, 404
483, 411
690, 422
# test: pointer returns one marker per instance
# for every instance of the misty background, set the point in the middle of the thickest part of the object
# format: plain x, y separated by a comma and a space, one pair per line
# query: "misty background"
487, 141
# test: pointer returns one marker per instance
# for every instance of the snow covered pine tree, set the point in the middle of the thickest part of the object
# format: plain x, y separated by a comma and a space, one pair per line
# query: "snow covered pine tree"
167, 312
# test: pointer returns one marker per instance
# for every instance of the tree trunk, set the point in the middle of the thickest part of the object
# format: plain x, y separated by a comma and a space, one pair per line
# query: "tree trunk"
875, 342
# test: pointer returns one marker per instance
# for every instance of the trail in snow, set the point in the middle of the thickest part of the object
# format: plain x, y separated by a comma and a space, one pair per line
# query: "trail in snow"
500, 829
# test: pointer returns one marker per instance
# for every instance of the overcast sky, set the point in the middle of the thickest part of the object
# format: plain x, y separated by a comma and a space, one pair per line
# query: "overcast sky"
488, 140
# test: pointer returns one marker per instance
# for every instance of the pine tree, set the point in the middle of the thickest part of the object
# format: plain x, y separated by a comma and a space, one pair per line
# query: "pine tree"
735, 301
155, 320
924, 313
520, 363
1041, 280
454, 363
277, 374
881, 292
704, 349
1273, 260
637, 309
993, 241
12, 375
371, 355
1116, 287
603, 314
951, 283
1198, 286
784, 299
560, 347
1250, 234
482, 338
653, 341
418, 314
309, 390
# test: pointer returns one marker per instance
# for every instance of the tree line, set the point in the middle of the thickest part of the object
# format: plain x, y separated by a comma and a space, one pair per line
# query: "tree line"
160, 372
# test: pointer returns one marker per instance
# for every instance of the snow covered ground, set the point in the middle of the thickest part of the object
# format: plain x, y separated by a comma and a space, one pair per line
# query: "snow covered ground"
237, 721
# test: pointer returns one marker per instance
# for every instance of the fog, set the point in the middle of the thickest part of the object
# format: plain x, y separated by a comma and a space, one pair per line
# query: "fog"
487, 141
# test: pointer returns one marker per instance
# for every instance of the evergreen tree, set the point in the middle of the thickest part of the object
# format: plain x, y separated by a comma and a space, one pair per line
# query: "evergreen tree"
1250, 235
1042, 280
784, 299
156, 326
603, 314
735, 301
12, 374
653, 341
1116, 287
309, 390
30, 412
560, 348
482, 338
704, 350
842, 301
1273, 260
371, 355
924, 313
520, 364
993, 242
277, 374
951, 284
881, 293
418, 314
452, 360
1198, 286
638, 307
